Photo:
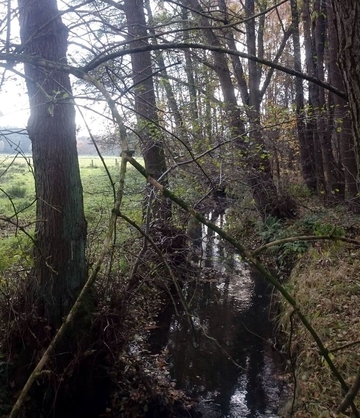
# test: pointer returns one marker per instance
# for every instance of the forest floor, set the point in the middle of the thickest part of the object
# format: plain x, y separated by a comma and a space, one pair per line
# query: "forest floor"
326, 285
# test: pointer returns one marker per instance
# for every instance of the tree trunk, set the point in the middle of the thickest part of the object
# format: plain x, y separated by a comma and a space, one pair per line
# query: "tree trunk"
256, 163
145, 101
347, 19
313, 131
342, 121
189, 69
165, 78
261, 180
307, 157
314, 35
59, 266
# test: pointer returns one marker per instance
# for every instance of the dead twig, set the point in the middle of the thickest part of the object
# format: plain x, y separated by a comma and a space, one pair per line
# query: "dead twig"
350, 396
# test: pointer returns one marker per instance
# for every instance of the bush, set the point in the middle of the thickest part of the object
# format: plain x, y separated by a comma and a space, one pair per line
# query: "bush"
299, 191
16, 191
15, 250
316, 224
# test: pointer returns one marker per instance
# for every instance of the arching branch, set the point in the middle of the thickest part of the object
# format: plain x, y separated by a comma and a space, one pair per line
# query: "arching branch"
96, 62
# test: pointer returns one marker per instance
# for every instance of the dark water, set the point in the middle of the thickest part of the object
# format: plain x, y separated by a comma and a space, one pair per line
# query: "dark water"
230, 304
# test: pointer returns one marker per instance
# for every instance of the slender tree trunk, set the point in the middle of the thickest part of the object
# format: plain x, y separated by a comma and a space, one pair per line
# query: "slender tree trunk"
168, 88
341, 121
59, 266
238, 70
261, 180
189, 68
254, 67
145, 101
305, 141
347, 19
313, 132
330, 166
256, 163
314, 34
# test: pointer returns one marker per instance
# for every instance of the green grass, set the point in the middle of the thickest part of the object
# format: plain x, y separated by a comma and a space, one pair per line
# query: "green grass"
16, 187
98, 193
17, 194
17, 183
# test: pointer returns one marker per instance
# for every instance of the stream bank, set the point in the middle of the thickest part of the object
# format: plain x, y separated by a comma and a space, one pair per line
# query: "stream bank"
326, 285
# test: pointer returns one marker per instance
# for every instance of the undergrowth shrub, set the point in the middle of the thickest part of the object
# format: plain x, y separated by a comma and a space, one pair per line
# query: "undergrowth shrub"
299, 191
271, 229
5, 399
15, 251
287, 253
314, 225
16, 191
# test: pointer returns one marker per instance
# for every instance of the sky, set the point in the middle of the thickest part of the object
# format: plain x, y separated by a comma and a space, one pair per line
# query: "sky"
14, 110
14, 104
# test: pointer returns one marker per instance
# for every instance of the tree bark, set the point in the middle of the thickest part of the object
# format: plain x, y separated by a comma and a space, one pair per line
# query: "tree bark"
145, 101
307, 157
189, 69
341, 121
165, 78
347, 20
314, 35
59, 267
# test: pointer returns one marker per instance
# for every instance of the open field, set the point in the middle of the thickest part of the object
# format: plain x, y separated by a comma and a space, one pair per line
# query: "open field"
17, 194
17, 182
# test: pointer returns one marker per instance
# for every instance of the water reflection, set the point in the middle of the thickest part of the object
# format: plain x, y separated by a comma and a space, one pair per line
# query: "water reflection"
230, 305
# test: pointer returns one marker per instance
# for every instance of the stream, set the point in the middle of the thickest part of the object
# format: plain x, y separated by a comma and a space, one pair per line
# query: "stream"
239, 375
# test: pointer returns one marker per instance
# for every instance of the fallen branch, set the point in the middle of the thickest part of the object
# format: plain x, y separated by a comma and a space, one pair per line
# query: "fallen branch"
304, 238
350, 396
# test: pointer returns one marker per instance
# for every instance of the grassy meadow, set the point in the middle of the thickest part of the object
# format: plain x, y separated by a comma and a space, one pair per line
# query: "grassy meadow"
17, 201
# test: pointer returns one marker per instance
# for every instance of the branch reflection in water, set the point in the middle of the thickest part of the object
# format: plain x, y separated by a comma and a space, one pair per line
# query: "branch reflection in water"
231, 304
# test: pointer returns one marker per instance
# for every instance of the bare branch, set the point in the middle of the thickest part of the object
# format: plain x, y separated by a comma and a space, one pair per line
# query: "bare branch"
96, 62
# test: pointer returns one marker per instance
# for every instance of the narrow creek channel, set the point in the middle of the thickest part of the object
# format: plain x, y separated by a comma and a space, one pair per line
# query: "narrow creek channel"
231, 304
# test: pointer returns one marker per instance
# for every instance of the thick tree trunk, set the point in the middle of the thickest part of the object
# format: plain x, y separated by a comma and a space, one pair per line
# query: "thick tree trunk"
59, 267
347, 18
